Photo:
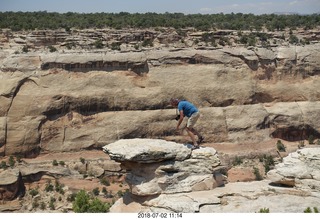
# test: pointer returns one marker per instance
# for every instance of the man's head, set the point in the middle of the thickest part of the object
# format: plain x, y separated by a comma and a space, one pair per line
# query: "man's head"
174, 102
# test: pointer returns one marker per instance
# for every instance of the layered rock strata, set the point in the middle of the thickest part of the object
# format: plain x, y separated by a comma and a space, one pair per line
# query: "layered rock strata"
244, 95
159, 174
160, 167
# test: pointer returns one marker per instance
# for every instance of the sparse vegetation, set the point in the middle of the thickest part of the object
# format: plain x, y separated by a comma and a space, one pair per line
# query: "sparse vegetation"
257, 173
55, 163
268, 162
33, 192
105, 182
11, 161
85, 204
3, 165
82, 160
264, 210
49, 187
96, 191
280, 146
52, 49
98, 44
309, 210
237, 161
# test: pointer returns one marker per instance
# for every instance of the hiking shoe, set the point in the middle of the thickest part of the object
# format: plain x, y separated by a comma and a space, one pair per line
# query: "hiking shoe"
200, 140
194, 147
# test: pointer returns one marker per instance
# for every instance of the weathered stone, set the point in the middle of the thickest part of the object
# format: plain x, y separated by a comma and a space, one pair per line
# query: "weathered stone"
243, 197
158, 166
10, 184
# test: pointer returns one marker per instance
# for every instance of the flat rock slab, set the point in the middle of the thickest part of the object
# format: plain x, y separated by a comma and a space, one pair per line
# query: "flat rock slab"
146, 150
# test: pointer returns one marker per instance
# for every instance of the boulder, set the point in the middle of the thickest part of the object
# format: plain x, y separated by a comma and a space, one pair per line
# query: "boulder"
157, 166
272, 194
10, 184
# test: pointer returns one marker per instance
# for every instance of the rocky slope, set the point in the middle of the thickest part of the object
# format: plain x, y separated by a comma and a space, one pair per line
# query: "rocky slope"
166, 177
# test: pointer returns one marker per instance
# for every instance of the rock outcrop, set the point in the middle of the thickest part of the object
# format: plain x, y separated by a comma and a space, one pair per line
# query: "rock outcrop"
160, 167
46, 106
161, 174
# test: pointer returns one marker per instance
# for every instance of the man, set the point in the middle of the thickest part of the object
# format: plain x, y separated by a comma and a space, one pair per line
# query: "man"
187, 109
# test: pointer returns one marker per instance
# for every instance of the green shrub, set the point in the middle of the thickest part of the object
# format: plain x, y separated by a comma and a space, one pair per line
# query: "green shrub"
98, 44
257, 173
11, 161
33, 192
280, 146
84, 203
49, 187
55, 163
52, 49
96, 191
105, 182
82, 160
268, 162
264, 210
237, 161
3, 165
309, 210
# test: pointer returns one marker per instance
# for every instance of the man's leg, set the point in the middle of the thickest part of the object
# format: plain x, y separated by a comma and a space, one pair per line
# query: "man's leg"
192, 136
195, 132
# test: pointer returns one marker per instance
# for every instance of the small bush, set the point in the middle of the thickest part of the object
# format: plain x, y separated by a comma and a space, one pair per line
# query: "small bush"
257, 173
105, 182
309, 210
82, 160
52, 49
33, 192
11, 161
237, 161
96, 191
84, 203
55, 163
280, 146
264, 210
98, 44
268, 163
3, 165
49, 187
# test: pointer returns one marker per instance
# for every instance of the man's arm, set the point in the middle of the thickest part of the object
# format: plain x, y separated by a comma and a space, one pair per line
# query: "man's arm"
181, 119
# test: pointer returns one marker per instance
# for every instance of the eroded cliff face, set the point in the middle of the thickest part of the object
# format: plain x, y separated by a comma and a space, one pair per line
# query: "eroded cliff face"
72, 100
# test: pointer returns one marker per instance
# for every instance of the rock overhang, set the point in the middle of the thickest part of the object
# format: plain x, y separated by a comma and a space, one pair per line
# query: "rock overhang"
146, 150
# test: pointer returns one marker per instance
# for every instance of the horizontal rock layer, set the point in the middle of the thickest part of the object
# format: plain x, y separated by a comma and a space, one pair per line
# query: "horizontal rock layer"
243, 95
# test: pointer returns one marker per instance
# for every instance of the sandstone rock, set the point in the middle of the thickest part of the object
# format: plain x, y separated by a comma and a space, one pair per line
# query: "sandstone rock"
242, 197
158, 166
299, 169
10, 184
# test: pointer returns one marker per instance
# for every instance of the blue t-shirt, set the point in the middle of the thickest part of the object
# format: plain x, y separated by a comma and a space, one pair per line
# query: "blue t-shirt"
187, 107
